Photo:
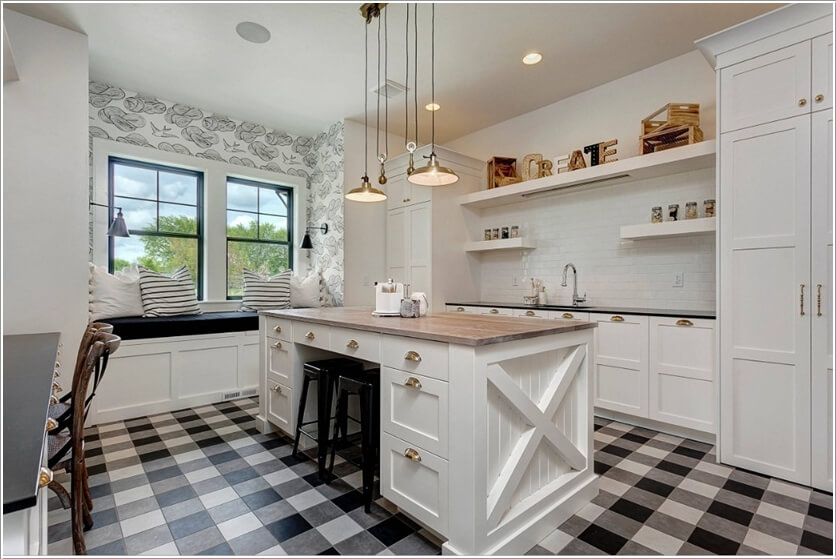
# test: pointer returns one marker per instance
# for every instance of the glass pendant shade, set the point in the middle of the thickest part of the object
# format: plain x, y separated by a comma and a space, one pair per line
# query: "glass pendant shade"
366, 193
433, 174
118, 228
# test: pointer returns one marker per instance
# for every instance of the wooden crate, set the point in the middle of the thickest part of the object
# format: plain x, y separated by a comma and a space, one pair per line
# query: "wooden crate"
502, 171
662, 139
675, 114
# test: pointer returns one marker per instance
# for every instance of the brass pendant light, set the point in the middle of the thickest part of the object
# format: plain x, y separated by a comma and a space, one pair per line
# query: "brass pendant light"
366, 192
433, 174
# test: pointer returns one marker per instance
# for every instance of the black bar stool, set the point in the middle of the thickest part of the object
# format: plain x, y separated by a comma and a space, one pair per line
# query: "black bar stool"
366, 385
325, 372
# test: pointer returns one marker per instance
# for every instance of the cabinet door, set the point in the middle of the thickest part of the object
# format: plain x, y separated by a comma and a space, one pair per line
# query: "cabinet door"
682, 372
396, 237
621, 370
822, 72
419, 241
280, 406
822, 299
767, 88
765, 329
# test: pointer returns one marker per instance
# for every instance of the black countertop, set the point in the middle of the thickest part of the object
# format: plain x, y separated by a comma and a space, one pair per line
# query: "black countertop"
28, 366
676, 313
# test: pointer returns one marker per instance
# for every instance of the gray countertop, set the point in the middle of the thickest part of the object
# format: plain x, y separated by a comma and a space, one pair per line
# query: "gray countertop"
607, 309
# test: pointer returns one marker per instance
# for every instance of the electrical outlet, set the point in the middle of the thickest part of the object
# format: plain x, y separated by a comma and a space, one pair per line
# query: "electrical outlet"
515, 281
679, 279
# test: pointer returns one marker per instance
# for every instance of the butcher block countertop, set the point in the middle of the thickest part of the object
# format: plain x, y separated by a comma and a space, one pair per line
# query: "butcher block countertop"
454, 328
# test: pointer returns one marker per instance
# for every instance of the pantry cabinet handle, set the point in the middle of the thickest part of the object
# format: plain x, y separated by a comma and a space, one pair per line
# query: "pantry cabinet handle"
412, 356
529, 313
277, 345
310, 335
819, 98
413, 382
459, 309
494, 311
617, 318
352, 344
277, 389
568, 315
44, 477
818, 299
277, 329
801, 299
412, 454
684, 322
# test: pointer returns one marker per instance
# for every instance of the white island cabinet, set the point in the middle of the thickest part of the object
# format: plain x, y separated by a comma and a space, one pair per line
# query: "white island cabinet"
486, 423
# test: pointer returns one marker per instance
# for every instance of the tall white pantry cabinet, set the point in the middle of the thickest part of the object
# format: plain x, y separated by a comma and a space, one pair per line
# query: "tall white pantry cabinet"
775, 192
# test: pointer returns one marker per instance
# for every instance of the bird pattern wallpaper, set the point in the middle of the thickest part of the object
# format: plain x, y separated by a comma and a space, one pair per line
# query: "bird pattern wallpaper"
120, 115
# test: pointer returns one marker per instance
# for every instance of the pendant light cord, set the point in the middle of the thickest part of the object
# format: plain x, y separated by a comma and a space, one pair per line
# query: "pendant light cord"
366, 109
432, 72
415, 63
406, 85
386, 80
377, 117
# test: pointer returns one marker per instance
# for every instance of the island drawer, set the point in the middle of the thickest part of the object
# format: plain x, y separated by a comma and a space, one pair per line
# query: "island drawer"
280, 405
415, 480
415, 408
356, 343
569, 315
415, 356
277, 328
531, 313
278, 360
314, 335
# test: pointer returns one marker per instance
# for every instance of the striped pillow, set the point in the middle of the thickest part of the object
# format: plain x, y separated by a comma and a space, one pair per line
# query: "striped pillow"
266, 292
164, 295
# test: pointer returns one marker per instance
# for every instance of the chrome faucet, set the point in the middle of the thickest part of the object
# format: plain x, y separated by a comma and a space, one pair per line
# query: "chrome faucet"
575, 298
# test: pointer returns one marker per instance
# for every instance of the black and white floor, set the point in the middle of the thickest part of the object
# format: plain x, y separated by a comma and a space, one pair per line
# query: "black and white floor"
204, 481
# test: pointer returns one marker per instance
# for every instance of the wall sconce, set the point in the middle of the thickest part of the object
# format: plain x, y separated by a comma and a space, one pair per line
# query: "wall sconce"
306, 240
118, 228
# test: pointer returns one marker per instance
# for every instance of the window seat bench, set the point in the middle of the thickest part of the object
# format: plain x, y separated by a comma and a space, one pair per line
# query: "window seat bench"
170, 363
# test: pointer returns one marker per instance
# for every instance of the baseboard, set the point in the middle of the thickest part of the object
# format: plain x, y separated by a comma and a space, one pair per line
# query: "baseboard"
653, 425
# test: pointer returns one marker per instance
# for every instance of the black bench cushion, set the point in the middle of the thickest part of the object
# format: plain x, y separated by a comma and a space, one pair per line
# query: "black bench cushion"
138, 327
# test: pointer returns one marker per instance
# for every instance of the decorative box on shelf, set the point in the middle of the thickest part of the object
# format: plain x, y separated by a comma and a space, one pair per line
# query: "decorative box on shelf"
681, 127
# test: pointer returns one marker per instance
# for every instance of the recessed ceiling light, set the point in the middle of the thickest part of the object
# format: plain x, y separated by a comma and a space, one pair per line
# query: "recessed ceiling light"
252, 32
532, 58
432, 106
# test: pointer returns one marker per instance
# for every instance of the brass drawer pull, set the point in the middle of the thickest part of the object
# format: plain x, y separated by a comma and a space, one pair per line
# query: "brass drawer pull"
277, 329
352, 344
412, 356
412, 454
529, 313
413, 383
310, 335
57, 373
56, 388
494, 311
277, 345
801, 299
684, 322
568, 315
818, 299
459, 309
44, 477
617, 318
802, 102
277, 389
819, 98
51, 424
57, 364
53, 400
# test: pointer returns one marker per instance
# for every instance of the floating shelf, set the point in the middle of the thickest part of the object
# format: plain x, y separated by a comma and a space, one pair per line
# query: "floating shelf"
520, 243
666, 229
668, 162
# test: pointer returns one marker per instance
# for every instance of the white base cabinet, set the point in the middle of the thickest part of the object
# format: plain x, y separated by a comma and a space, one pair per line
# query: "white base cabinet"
621, 377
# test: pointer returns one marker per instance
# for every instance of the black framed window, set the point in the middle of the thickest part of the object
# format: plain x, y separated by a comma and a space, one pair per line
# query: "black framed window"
259, 230
163, 208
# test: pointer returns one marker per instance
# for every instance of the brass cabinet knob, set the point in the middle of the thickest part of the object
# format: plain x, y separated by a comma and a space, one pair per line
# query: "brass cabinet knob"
352, 344
413, 382
802, 102
310, 335
51, 424
57, 364
412, 454
57, 373
277, 389
684, 322
56, 388
277, 329
819, 98
529, 313
494, 311
44, 477
53, 400
617, 318
459, 309
568, 315
277, 345
412, 356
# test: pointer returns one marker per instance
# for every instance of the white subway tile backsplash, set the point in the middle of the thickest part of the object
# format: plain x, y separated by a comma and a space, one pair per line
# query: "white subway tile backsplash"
583, 228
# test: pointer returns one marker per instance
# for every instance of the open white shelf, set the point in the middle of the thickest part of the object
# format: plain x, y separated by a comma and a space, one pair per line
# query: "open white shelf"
668, 162
520, 243
698, 226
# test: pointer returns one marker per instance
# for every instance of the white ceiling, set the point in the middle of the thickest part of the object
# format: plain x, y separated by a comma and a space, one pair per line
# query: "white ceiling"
310, 74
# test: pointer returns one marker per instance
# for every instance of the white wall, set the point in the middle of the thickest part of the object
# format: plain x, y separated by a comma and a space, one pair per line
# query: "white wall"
583, 227
365, 223
45, 182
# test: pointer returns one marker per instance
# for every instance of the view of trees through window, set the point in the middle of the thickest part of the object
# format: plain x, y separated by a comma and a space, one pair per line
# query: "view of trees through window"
162, 208
258, 230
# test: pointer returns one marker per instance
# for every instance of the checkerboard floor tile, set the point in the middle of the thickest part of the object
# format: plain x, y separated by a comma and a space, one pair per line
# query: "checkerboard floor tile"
204, 481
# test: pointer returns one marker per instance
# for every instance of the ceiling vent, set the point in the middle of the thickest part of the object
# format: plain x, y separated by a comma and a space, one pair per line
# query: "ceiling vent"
390, 89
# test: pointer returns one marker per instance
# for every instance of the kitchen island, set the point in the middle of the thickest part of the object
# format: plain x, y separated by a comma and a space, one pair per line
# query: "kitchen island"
486, 422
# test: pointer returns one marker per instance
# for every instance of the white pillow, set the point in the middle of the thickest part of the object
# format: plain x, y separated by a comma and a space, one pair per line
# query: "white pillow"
304, 292
111, 296
164, 295
261, 292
